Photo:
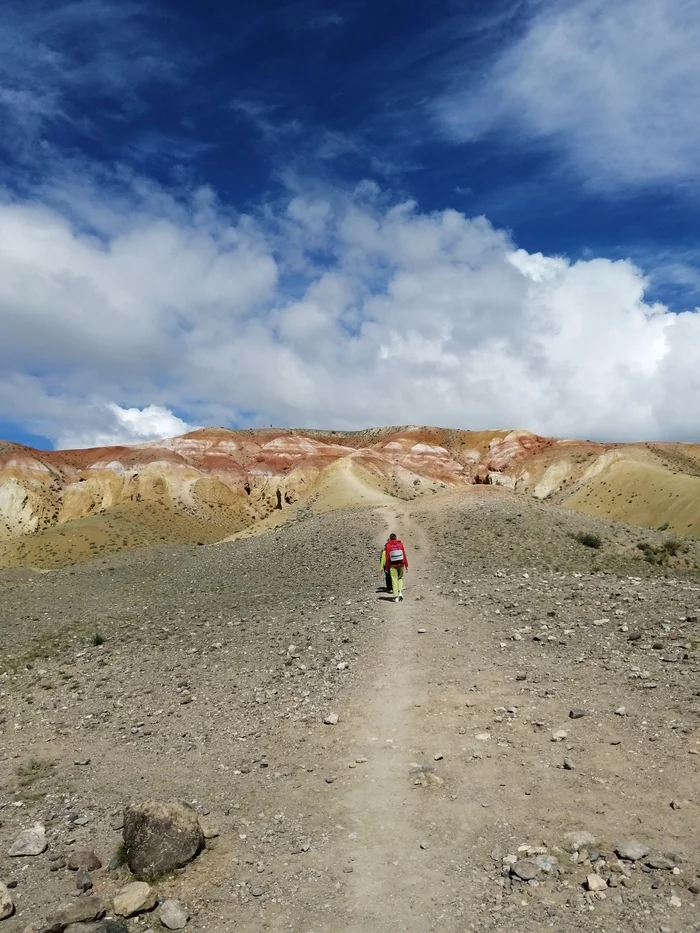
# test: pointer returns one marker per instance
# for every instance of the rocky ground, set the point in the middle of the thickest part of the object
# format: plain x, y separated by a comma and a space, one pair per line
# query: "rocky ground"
516, 745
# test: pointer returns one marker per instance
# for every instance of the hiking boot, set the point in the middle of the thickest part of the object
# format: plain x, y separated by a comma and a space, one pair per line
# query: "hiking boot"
396, 598
400, 597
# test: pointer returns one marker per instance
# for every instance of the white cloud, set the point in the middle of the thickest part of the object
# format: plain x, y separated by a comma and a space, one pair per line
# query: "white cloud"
116, 425
615, 84
336, 309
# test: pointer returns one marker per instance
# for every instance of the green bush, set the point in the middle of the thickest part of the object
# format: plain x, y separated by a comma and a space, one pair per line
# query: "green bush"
588, 539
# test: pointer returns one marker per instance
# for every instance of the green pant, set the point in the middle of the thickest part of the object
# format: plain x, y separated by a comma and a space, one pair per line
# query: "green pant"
396, 580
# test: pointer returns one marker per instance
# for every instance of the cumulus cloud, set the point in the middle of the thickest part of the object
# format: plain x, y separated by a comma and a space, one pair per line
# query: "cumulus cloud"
116, 425
613, 84
332, 309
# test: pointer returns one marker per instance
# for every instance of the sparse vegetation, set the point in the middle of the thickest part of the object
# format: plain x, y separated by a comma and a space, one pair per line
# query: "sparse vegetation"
588, 539
98, 639
34, 770
662, 553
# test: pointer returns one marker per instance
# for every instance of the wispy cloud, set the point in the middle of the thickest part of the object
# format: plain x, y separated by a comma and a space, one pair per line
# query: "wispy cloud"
614, 85
56, 56
326, 21
266, 118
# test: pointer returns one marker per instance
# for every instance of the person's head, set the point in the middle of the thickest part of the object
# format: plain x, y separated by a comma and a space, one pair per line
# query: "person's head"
392, 537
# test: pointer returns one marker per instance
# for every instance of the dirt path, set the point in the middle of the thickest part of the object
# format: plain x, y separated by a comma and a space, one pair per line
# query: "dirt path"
402, 800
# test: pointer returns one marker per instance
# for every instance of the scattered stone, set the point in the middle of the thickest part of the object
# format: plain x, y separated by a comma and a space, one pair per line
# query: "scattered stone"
421, 631
694, 887
559, 735
135, 898
526, 870
257, 891
569, 765
621, 711
57, 864
173, 915
675, 901
577, 713
577, 840
83, 910
331, 719
438, 757
160, 837
660, 863
99, 926
84, 858
482, 736
83, 882
30, 842
547, 864
632, 851
7, 907
596, 883
210, 831
521, 677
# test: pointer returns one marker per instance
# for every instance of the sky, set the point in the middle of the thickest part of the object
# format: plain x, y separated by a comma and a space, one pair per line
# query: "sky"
464, 213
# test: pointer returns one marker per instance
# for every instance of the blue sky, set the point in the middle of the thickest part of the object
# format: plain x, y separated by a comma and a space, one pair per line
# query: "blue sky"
256, 212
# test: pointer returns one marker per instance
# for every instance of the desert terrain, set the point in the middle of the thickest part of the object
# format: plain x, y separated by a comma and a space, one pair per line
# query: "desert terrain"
515, 746
61, 507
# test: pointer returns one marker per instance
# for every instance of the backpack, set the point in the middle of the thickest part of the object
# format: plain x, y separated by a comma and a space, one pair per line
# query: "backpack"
394, 553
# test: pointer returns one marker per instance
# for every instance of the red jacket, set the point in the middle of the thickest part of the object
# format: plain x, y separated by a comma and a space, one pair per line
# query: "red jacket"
393, 546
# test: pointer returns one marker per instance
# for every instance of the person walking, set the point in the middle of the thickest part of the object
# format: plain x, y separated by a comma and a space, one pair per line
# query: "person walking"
385, 568
395, 561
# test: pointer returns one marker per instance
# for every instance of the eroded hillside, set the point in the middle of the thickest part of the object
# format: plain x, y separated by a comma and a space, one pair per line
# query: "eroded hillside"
60, 507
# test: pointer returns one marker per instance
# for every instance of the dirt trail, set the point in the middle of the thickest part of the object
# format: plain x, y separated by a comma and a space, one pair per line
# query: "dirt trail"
400, 810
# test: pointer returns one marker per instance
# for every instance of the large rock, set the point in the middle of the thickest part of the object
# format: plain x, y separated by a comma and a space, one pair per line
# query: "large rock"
160, 837
30, 842
135, 898
86, 908
7, 908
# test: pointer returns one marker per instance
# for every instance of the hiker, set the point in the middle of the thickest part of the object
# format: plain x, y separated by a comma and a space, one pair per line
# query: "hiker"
387, 574
395, 561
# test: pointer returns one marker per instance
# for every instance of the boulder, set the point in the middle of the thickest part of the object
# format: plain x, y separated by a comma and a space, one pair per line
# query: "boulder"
7, 908
501, 479
135, 898
84, 858
160, 837
30, 842
84, 909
